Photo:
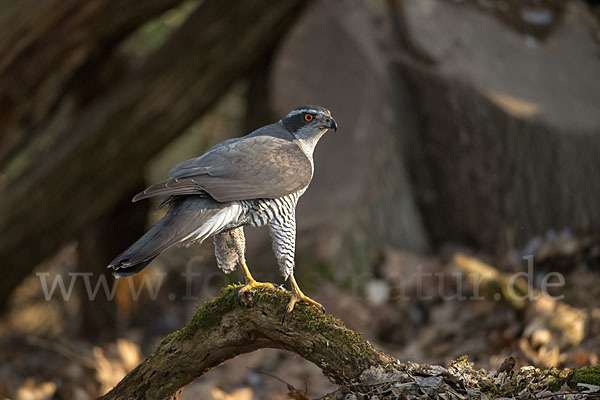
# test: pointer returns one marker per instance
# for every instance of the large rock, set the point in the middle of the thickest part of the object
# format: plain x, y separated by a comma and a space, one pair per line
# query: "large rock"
509, 142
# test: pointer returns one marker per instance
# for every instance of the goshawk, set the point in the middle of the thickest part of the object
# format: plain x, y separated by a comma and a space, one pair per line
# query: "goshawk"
253, 180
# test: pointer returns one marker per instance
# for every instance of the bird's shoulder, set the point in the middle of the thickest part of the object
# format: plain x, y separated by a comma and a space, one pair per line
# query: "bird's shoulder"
268, 163
271, 144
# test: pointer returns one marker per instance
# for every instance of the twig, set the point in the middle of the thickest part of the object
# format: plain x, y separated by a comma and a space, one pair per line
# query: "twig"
62, 350
293, 393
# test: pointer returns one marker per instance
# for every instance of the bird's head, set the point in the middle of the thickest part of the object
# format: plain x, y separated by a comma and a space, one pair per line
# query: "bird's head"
309, 123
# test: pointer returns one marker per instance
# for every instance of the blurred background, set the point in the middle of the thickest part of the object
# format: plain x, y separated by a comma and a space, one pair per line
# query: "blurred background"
466, 126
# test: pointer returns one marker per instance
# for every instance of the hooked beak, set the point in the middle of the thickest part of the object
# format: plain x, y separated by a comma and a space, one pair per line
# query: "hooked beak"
332, 124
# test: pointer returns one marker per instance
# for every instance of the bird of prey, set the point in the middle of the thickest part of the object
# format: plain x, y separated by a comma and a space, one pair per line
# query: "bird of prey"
254, 180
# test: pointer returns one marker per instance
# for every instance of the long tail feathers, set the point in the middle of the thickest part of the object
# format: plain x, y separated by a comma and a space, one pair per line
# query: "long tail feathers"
189, 219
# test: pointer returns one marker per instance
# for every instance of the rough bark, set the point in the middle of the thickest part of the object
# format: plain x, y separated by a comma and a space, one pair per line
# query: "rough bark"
226, 327
103, 152
504, 147
44, 46
258, 111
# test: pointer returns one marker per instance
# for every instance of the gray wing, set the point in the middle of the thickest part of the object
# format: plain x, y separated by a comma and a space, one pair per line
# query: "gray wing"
252, 167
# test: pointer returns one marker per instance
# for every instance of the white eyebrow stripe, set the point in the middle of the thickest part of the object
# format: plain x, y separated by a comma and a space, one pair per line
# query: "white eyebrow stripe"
302, 111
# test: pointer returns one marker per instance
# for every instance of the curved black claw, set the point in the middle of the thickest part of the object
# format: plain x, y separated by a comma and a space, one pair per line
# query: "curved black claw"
238, 295
288, 310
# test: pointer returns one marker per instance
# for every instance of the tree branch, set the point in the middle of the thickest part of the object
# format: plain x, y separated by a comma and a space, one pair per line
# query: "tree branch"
225, 327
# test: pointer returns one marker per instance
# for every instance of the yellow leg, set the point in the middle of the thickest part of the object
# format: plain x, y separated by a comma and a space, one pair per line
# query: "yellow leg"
297, 296
250, 282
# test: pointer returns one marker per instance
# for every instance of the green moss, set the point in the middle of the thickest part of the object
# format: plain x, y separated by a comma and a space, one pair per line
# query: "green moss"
169, 338
211, 312
461, 363
304, 318
590, 375
277, 297
309, 319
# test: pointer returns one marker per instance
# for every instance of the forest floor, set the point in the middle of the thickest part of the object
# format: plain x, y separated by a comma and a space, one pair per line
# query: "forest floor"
420, 309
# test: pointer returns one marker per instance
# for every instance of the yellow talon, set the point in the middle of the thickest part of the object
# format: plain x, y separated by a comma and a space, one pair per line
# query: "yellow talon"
252, 284
304, 299
298, 296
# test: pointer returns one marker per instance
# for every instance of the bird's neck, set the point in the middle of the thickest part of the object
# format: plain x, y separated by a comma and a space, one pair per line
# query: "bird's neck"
308, 142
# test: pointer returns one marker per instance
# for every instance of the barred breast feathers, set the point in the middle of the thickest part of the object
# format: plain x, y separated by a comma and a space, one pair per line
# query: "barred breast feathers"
263, 211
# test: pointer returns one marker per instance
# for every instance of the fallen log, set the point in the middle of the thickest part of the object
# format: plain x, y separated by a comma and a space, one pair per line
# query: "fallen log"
226, 327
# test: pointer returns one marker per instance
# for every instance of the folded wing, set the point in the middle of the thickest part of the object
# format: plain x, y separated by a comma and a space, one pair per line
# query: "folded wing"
244, 169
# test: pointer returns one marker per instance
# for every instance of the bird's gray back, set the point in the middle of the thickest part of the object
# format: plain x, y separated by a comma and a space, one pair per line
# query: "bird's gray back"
275, 130
264, 164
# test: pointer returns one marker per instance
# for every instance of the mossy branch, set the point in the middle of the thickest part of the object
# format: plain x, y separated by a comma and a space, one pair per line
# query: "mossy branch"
226, 327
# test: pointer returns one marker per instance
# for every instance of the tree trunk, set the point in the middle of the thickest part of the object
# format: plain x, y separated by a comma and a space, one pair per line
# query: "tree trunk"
97, 245
225, 327
504, 147
258, 111
103, 152
43, 48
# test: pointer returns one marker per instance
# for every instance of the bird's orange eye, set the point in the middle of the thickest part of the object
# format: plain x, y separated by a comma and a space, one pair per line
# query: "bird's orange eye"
308, 117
